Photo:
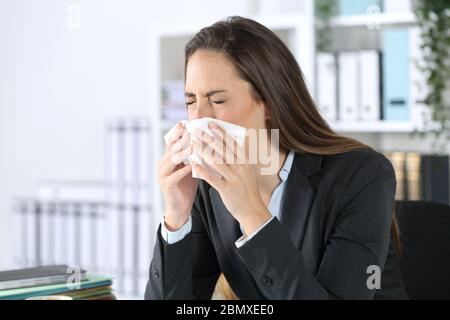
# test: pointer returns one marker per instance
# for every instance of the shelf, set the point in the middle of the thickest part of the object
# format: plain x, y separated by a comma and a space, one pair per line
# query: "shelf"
378, 19
372, 126
349, 126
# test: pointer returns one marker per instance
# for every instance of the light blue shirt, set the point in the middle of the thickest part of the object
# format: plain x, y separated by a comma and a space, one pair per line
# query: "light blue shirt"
274, 209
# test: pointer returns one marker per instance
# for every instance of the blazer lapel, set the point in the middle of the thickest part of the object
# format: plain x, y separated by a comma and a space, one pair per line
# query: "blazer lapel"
228, 226
298, 195
297, 201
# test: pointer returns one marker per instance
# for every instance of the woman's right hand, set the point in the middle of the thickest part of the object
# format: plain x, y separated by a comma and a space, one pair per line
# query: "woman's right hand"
178, 186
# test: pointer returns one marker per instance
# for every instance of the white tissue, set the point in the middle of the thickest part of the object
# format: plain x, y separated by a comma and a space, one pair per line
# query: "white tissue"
235, 131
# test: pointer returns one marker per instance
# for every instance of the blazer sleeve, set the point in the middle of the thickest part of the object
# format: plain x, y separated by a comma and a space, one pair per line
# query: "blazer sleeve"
359, 239
186, 269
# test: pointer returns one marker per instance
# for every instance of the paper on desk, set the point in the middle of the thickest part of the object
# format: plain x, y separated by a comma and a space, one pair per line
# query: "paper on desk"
235, 131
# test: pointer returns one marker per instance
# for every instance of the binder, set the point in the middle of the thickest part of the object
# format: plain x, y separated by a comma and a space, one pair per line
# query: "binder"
86, 242
398, 162
46, 231
435, 178
327, 86
31, 235
396, 74
23, 293
369, 79
413, 173
18, 237
348, 86
60, 233
71, 238
397, 6
35, 276
354, 7
21, 234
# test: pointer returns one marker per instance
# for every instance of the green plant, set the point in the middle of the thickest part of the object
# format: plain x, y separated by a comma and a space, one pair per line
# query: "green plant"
433, 17
324, 11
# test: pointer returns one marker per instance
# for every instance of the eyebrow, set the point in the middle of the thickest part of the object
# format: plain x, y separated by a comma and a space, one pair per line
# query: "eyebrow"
208, 94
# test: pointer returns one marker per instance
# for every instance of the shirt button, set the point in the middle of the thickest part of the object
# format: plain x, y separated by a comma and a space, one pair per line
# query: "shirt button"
267, 281
156, 273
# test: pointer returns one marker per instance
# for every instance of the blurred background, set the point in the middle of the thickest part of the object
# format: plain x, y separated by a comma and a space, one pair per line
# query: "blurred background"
89, 87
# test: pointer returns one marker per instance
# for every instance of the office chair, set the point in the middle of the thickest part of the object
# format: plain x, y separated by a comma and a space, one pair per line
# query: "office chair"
425, 257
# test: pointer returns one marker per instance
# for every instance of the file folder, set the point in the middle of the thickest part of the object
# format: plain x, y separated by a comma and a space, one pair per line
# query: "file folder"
435, 174
369, 79
397, 6
355, 7
327, 86
23, 293
348, 86
396, 74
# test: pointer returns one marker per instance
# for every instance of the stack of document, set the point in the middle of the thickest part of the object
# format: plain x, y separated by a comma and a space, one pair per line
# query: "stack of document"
54, 280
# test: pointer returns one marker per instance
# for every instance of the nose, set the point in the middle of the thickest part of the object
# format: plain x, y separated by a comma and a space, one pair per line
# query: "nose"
202, 110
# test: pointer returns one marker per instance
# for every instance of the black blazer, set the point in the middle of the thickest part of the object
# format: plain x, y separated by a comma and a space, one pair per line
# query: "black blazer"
335, 223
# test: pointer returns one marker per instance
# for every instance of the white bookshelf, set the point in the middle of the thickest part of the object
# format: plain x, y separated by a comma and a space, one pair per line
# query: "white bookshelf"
378, 126
354, 32
377, 19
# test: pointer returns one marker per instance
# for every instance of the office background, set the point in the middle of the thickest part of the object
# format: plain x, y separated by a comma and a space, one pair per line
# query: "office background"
88, 88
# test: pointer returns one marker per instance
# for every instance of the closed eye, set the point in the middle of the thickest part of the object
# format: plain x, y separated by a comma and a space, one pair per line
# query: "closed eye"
215, 102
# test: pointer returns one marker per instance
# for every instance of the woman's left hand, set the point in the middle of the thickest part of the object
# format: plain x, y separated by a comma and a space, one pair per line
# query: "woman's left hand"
238, 184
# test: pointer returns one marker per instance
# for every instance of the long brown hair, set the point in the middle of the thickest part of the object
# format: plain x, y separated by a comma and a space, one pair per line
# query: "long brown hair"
263, 60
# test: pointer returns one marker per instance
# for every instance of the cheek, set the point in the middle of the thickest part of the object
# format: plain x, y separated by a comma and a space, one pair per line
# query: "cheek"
229, 114
245, 115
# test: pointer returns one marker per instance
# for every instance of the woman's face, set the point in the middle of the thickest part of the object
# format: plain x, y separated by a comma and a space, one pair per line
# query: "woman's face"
214, 89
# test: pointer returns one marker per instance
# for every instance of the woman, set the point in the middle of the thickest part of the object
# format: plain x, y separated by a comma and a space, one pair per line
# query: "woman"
319, 227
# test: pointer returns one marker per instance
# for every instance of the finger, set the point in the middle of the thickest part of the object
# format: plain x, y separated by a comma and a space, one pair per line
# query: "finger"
205, 152
177, 133
175, 177
221, 146
213, 180
169, 163
216, 145
178, 157
232, 152
172, 147
181, 143
241, 154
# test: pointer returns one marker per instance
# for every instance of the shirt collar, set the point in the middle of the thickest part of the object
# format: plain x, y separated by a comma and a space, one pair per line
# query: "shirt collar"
284, 172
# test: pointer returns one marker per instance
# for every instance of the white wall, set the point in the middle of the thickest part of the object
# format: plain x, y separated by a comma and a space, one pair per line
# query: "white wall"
58, 85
